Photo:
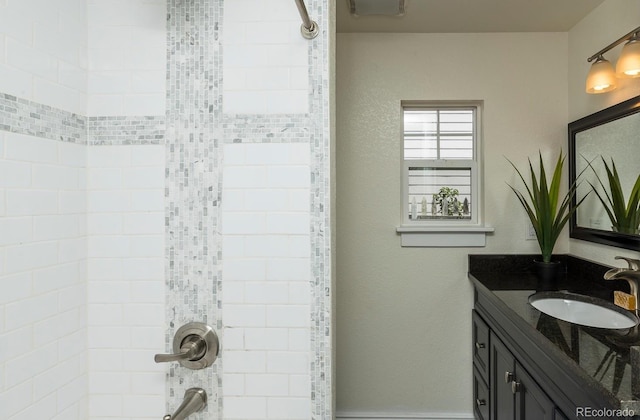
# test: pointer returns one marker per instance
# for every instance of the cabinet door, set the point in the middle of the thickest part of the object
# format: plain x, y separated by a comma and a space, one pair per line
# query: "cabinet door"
531, 402
481, 402
502, 373
480, 345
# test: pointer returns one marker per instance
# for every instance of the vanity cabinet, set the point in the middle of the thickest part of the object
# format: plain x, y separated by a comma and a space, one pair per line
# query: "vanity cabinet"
503, 389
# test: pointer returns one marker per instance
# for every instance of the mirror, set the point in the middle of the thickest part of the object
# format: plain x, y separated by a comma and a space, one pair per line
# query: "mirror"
613, 133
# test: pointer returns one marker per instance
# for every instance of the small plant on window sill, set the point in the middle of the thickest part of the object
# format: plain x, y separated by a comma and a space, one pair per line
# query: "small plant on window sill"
446, 203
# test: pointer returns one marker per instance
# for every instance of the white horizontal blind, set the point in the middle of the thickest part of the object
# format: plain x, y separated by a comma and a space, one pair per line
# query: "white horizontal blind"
438, 133
439, 145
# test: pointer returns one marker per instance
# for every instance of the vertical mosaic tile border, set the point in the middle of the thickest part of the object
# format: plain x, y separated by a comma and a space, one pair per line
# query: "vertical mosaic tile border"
193, 186
321, 327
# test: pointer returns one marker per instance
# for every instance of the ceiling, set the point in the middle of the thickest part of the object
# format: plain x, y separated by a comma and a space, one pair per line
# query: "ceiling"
471, 16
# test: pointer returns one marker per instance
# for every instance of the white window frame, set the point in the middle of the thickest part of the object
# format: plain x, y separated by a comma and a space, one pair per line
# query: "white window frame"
448, 232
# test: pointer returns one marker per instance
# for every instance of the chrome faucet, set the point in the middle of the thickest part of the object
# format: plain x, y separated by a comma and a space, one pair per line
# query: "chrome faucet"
630, 274
195, 400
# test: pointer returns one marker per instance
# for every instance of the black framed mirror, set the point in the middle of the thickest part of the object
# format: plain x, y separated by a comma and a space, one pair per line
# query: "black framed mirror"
613, 133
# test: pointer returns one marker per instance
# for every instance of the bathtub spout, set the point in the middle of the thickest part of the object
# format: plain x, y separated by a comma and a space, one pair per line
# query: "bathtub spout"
195, 400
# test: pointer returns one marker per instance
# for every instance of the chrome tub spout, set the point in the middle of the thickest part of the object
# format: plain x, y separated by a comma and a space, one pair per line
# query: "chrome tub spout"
195, 400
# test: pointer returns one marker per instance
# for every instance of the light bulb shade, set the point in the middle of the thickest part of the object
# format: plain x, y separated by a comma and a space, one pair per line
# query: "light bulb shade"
601, 77
628, 65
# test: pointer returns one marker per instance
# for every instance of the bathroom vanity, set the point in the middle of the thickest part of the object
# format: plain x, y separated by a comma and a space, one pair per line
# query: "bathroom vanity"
529, 365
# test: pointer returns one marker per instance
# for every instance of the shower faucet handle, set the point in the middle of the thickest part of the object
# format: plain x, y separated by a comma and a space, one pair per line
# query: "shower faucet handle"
195, 346
192, 348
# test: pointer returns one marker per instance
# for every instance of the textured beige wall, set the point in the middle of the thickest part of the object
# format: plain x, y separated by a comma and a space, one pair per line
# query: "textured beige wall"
611, 20
403, 314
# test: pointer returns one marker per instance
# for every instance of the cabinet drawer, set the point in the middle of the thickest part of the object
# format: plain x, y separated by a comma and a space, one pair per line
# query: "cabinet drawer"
480, 346
481, 398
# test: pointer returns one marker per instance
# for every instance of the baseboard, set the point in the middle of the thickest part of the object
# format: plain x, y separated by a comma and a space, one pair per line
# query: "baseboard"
402, 416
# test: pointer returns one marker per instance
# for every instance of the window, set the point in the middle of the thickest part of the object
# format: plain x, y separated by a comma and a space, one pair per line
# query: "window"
441, 168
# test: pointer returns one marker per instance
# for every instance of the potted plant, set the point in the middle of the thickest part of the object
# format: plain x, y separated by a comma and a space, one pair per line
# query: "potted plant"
548, 214
447, 201
624, 215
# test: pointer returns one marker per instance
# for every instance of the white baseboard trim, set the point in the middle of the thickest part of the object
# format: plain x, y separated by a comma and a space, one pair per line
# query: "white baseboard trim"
402, 416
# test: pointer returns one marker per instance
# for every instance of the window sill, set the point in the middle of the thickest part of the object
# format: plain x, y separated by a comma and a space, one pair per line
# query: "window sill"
443, 236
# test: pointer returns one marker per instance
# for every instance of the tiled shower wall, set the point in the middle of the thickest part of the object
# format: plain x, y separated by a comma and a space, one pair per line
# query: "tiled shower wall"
111, 223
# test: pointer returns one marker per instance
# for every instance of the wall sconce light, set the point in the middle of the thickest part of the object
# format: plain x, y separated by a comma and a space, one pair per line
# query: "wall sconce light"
602, 77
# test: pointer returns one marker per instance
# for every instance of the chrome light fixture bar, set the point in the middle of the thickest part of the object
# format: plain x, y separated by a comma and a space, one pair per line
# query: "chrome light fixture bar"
602, 77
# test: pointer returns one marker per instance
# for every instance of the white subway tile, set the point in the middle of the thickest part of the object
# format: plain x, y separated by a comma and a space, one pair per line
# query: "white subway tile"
299, 78
245, 315
54, 378
232, 200
72, 250
299, 200
108, 156
108, 337
30, 310
72, 76
233, 292
291, 54
108, 292
300, 386
243, 11
105, 105
233, 338
232, 384
266, 292
72, 392
72, 201
139, 361
144, 104
144, 223
152, 57
287, 102
17, 25
288, 316
16, 342
236, 79
108, 246
26, 58
143, 268
31, 256
147, 200
244, 269
107, 405
288, 362
146, 246
266, 78
289, 223
233, 246
144, 177
267, 246
234, 223
266, 338
16, 82
148, 291
104, 268
266, 385
105, 223
289, 269
299, 246
143, 314
107, 36
15, 287
148, 81
70, 154
149, 337
244, 56
49, 38
15, 174
56, 227
31, 202
105, 314
148, 155
109, 82
30, 149
299, 339
16, 230
17, 398
56, 327
56, 277
266, 200
108, 201
289, 176
299, 293
104, 178
289, 408
73, 297
100, 59
30, 364
245, 361
109, 383
105, 360
244, 102
148, 383
51, 92
245, 407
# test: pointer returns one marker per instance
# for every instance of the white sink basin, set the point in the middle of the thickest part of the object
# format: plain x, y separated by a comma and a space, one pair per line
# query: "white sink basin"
583, 310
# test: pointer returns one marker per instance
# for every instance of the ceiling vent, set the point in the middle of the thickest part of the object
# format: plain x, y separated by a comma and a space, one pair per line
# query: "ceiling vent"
376, 7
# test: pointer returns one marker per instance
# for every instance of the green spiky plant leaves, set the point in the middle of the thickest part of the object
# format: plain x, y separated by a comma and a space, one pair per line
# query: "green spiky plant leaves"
542, 203
624, 215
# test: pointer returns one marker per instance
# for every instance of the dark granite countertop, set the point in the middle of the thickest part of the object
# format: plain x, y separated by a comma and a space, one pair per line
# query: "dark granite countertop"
600, 355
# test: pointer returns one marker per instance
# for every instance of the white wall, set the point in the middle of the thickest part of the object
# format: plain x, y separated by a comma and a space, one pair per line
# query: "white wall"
43, 52
403, 333
43, 355
604, 25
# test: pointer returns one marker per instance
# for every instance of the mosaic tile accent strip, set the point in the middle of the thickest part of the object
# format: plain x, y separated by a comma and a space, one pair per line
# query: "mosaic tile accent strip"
193, 186
121, 130
21, 116
292, 128
319, 140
